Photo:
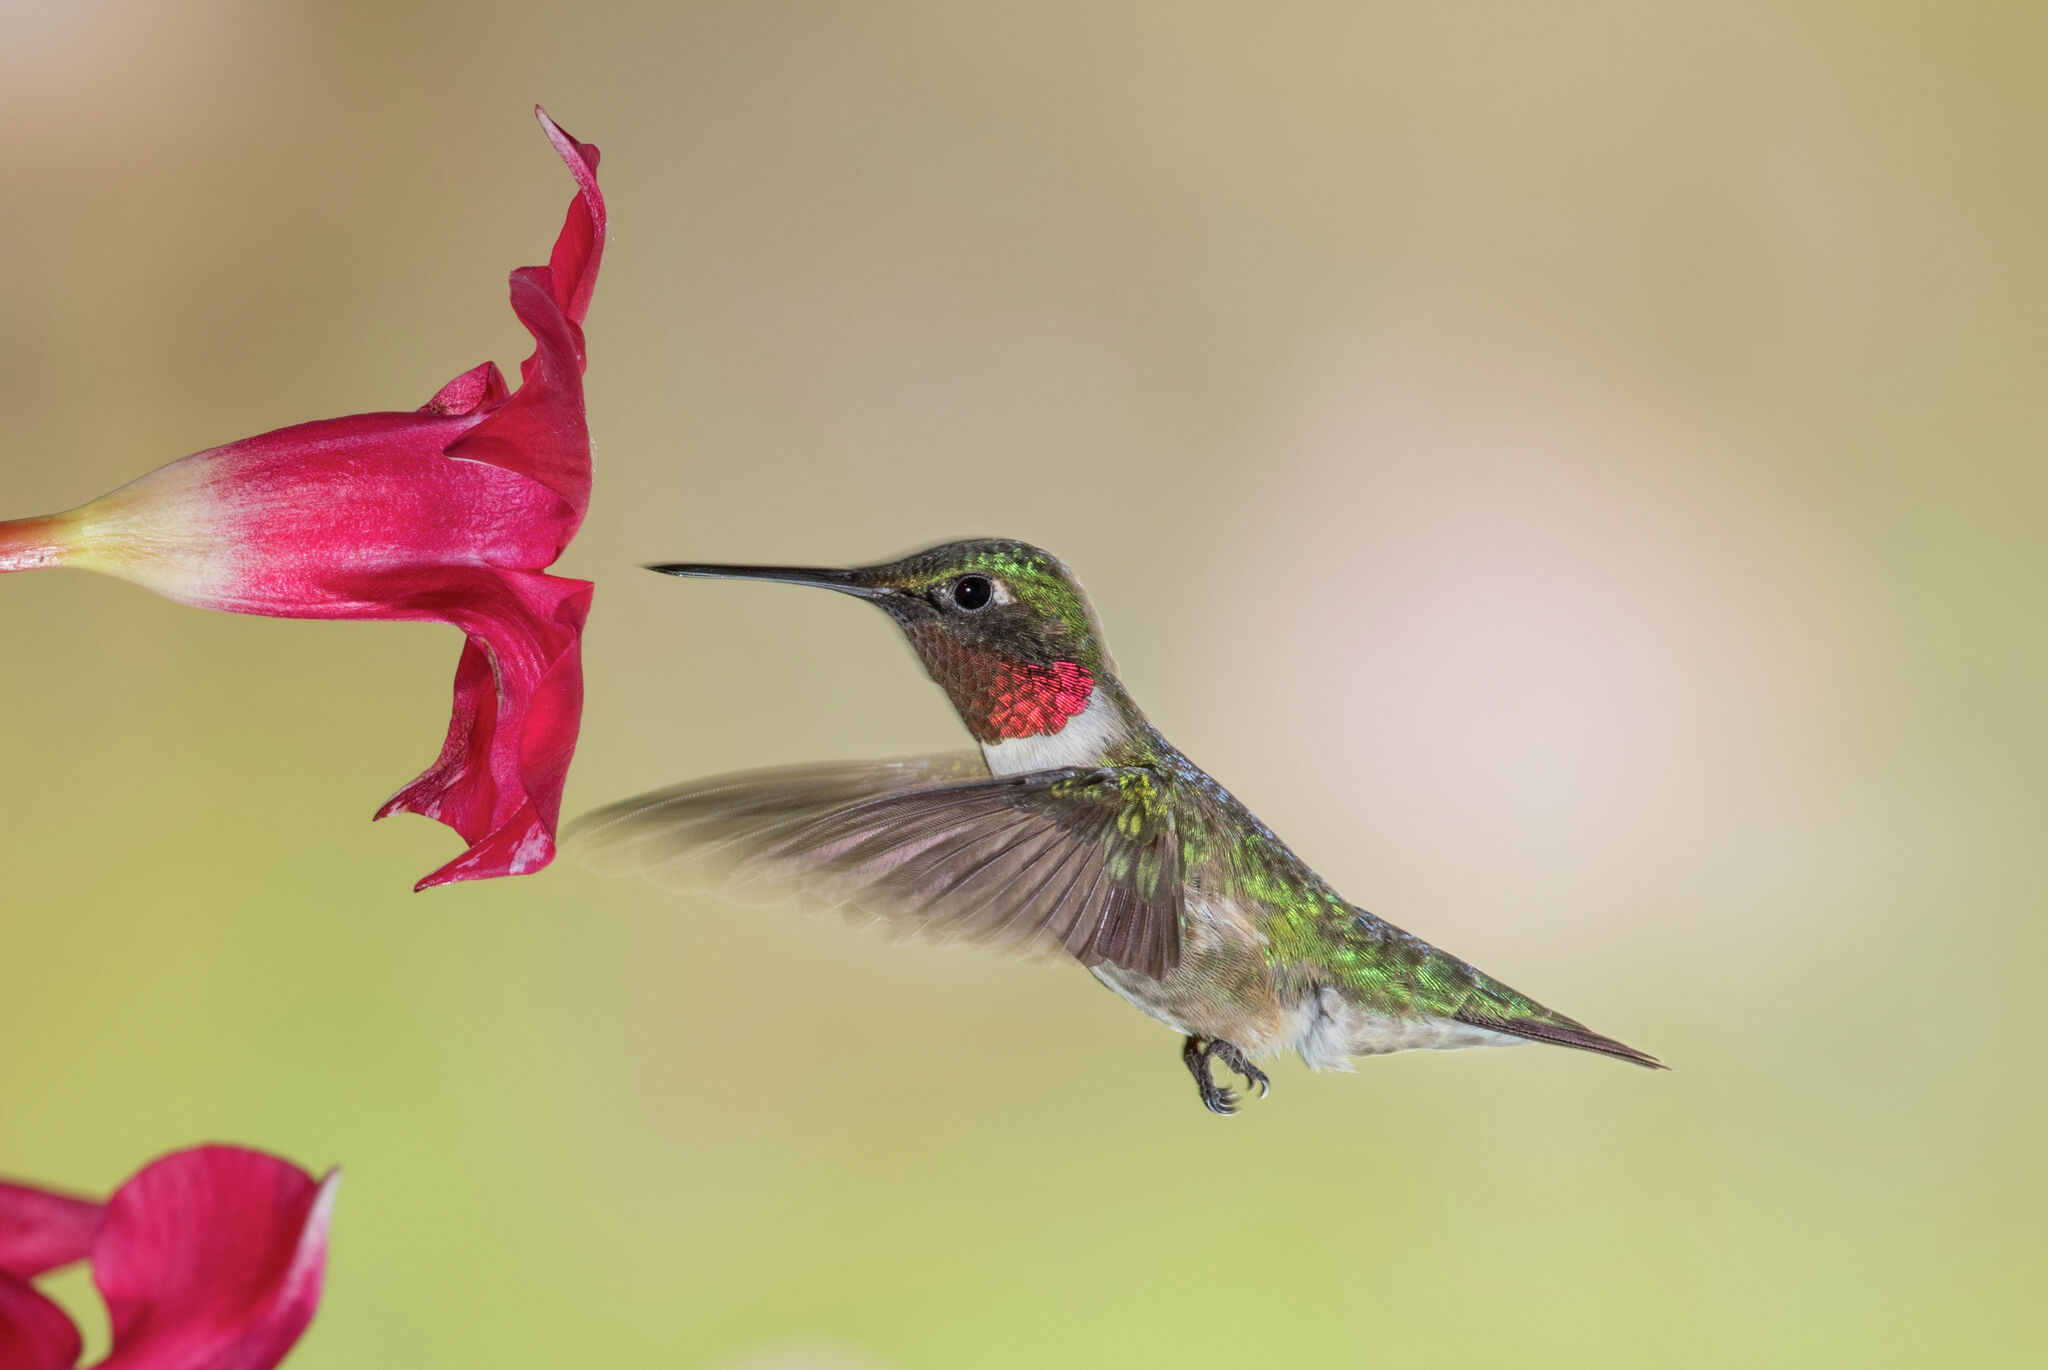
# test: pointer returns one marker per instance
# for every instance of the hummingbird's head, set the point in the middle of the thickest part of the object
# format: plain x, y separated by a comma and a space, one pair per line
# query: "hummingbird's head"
1003, 627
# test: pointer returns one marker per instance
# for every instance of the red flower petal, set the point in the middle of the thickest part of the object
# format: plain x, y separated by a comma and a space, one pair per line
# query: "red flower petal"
518, 700
540, 432
480, 387
580, 247
41, 1230
34, 1333
212, 1259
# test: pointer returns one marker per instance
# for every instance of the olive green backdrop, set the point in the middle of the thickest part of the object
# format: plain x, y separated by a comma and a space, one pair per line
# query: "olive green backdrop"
1576, 470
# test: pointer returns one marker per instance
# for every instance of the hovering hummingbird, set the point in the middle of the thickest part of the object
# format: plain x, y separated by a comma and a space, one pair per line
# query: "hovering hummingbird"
1077, 831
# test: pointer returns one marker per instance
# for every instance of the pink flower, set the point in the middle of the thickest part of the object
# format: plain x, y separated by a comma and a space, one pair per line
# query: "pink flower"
208, 1259
452, 513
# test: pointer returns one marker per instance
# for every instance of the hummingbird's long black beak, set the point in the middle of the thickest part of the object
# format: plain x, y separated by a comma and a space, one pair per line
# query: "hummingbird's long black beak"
845, 582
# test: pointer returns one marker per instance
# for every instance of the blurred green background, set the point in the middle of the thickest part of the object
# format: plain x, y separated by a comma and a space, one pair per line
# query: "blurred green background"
1576, 470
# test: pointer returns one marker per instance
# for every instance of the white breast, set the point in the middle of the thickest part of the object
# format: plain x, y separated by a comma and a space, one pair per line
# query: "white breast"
1087, 737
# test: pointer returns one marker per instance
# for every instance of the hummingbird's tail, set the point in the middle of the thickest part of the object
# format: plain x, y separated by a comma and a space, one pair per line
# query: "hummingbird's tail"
1411, 980
1562, 1032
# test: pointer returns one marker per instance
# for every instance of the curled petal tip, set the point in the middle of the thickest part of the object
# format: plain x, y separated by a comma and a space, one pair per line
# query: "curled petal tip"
580, 248
556, 133
581, 156
452, 873
313, 1242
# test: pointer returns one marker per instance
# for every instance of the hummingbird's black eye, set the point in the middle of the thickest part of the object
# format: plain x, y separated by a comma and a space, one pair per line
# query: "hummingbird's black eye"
972, 592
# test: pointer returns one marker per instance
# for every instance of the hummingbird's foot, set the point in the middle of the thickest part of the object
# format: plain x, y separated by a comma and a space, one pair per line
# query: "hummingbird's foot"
1220, 1099
1233, 1056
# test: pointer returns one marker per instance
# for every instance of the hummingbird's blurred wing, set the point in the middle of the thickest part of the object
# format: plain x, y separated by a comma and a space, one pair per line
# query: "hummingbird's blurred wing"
1083, 862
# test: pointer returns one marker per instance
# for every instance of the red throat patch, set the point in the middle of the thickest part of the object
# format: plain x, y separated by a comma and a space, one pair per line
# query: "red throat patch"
1029, 701
999, 697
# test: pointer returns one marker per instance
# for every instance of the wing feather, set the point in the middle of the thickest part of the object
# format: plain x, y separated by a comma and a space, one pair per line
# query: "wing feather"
1079, 862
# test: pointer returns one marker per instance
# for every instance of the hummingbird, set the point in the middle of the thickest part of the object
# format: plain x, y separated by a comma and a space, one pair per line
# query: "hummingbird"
1075, 830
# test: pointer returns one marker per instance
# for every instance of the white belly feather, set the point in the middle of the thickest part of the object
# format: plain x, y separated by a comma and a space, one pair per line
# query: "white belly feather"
1085, 740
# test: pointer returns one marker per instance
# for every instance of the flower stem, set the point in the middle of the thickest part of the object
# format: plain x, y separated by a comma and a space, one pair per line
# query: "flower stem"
29, 544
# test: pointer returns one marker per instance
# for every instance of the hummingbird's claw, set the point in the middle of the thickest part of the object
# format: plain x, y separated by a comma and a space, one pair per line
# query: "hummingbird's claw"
1221, 1100
1231, 1055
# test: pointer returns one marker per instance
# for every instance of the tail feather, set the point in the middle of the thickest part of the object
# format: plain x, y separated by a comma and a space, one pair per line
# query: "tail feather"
1563, 1033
